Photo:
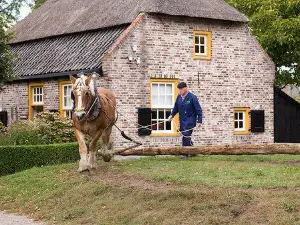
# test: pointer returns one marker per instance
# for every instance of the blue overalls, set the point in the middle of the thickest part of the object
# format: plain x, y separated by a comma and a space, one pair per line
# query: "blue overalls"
190, 113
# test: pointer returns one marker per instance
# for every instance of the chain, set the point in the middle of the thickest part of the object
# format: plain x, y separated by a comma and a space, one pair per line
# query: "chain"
147, 127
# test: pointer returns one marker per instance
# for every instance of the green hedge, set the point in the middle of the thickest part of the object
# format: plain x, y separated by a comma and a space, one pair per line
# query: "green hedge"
17, 158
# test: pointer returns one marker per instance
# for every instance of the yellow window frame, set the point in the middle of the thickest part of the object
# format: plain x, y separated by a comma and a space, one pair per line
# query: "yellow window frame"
208, 44
176, 119
30, 98
61, 91
247, 120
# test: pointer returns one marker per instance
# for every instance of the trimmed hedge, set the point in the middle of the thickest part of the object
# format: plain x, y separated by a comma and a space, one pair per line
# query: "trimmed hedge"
18, 158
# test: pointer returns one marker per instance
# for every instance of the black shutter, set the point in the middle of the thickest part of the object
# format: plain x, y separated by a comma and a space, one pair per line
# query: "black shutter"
3, 117
257, 121
144, 119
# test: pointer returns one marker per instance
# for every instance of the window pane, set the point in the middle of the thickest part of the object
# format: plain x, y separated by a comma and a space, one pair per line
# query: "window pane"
169, 100
197, 49
154, 114
162, 89
161, 114
202, 49
202, 40
169, 125
161, 126
155, 100
236, 124
169, 89
196, 39
236, 116
241, 124
154, 89
161, 100
241, 117
168, 113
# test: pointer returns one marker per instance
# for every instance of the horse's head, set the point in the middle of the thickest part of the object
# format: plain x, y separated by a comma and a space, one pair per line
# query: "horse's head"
83, 94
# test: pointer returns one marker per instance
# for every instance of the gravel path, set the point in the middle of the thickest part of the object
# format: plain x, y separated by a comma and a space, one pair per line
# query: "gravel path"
13, 219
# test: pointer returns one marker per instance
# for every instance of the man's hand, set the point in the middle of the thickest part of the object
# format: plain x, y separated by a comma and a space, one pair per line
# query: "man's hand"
198, 125
170, 118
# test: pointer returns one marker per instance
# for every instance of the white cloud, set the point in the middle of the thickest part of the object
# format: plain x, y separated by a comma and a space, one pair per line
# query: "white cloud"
24, 11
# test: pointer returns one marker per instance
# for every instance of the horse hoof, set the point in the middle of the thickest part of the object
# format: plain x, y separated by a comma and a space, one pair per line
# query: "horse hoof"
80, 170
83, 168
93, 167
106, 157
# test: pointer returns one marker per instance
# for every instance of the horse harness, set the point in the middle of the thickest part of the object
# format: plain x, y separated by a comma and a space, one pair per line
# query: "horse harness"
93, 111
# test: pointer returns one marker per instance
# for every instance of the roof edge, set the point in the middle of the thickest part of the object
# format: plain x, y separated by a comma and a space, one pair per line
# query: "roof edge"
59, 74
140, 18
286, 96
68, 34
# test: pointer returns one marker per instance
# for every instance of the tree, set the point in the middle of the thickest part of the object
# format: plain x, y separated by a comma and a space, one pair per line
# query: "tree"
8, 13
276, 24
37, 4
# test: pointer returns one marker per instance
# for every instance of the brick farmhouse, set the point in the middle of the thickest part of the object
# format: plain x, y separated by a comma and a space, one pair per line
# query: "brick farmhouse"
141, 50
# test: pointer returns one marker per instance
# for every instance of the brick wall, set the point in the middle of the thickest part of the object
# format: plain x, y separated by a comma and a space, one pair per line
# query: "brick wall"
14, 97
239, 74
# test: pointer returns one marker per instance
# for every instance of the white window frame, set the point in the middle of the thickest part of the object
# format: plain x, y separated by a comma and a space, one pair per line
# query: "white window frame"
63, 97
158, 108
66, 110
36, 95
239, 120
199, 44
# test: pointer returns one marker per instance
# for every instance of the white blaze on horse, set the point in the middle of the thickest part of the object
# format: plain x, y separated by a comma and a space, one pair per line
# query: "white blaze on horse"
94, 116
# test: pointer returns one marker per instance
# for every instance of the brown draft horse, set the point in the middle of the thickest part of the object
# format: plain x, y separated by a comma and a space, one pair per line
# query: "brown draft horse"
94, 116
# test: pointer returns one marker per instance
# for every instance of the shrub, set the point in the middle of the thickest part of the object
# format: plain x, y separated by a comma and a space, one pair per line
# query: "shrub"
47, 128
18, 158
28, 133
62, 129
3, 129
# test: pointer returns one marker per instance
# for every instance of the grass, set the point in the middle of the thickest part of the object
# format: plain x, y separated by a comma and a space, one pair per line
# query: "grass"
222, 171
202, 190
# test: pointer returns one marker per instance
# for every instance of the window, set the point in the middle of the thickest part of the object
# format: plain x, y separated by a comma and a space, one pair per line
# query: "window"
163, 94
36, 99
66, 103
202, 44
37, 93
241, 120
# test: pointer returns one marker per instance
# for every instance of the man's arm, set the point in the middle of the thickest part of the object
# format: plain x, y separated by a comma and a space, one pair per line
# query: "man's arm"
198, 109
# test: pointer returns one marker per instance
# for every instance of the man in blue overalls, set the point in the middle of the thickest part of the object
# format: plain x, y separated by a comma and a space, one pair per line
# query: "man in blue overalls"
190, 113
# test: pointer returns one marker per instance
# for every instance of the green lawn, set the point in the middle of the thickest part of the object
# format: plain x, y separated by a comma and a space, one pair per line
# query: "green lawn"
222, 171
201, 190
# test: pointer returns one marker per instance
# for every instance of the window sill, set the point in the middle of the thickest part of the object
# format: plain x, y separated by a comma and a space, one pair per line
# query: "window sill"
165, 135
202, 57
241, 132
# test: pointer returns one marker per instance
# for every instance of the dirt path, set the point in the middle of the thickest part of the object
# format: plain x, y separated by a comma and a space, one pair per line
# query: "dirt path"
13, 219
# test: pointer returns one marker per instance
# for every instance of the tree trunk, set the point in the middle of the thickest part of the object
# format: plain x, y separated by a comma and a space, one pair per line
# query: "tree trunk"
256, 149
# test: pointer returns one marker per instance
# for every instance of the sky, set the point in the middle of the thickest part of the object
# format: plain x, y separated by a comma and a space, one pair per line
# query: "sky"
24, 11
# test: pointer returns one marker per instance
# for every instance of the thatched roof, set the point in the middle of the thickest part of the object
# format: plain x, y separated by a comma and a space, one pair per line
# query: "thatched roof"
59, 17
75, 52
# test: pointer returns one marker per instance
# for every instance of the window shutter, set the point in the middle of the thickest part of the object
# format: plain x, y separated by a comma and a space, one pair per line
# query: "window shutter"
3, 117
144, 119
258, 121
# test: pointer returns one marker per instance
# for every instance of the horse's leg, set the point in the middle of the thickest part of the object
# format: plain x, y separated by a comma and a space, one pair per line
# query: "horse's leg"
83, 165
92, 161
105, 139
